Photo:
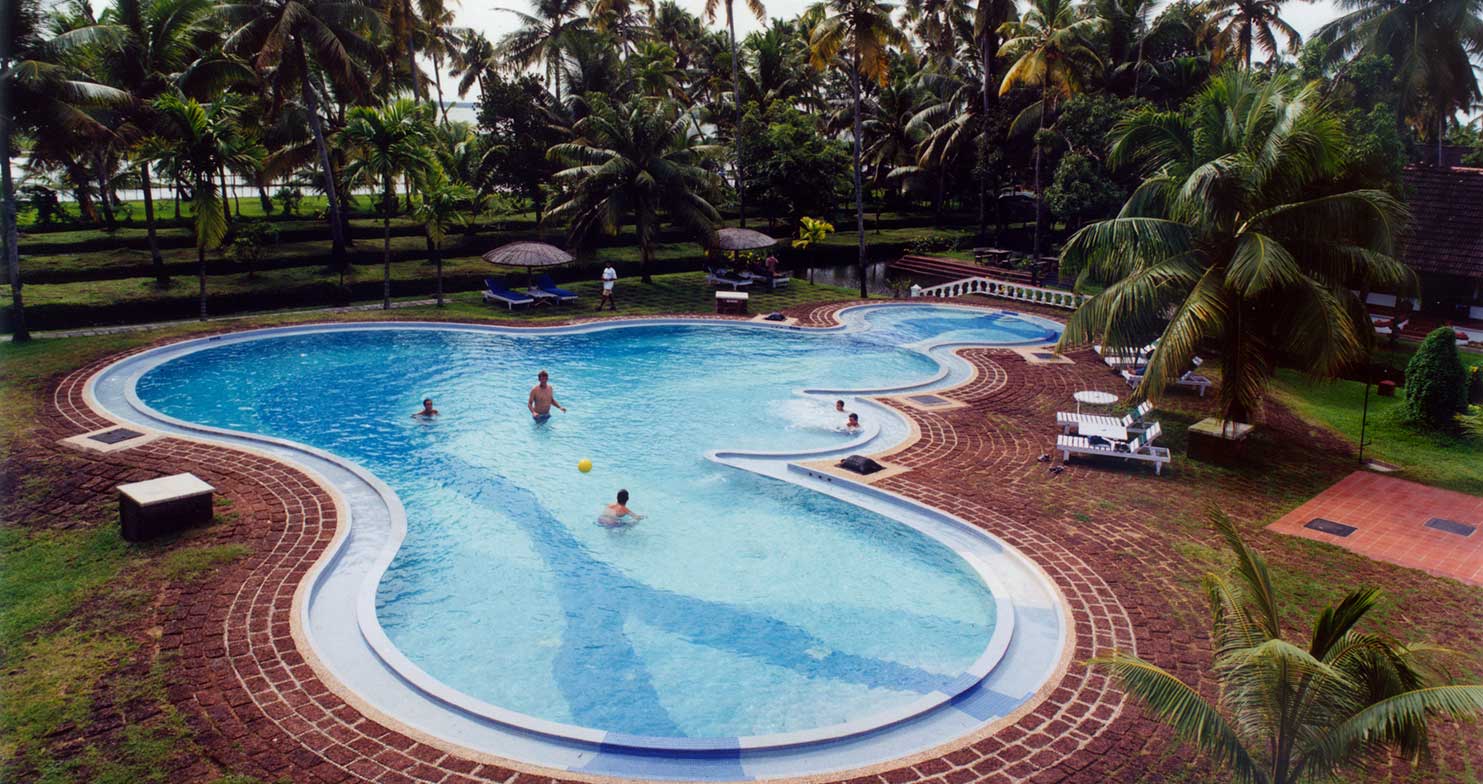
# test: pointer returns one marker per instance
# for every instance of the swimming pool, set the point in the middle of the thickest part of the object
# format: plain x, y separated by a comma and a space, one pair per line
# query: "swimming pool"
743, 607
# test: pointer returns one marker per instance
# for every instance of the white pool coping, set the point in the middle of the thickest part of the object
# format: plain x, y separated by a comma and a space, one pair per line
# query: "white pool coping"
342, 585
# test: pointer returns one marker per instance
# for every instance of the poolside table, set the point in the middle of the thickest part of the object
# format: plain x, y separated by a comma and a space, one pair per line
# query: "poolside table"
161, 506
1093, 397
734, 302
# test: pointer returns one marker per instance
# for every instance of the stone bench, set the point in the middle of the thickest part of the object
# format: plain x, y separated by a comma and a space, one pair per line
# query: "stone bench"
734, 302
162, 506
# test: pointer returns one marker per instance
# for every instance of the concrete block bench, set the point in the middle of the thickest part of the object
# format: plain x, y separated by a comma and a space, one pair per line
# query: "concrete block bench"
161, 506
734, 302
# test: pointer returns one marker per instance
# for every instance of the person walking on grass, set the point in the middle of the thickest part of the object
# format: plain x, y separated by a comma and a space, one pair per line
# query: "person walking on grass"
609, 275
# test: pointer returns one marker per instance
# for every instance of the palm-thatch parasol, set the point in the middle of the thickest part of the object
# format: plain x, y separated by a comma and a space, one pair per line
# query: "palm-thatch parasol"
734, 240
528, 255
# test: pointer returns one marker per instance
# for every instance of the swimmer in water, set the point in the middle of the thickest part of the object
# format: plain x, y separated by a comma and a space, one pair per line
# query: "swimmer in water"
618, 514
542, 398
852, 424
427, 412
839, 406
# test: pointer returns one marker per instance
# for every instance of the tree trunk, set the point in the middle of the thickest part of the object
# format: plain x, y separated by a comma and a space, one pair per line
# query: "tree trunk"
859, 193
104, 203
438, 260
19, 333
265, 200
741, 178
337, 228
412, 66
438, 84
1441, 124
226, 202
1039, 193
201, 274
389, 200
177, 200
161, 278
646, 250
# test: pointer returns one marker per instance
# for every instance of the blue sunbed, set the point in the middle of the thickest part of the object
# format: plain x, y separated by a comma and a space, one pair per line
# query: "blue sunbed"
498, 292
544, 283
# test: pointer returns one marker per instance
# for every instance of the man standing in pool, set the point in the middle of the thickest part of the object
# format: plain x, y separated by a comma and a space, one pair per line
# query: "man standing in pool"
427, 412
542, 398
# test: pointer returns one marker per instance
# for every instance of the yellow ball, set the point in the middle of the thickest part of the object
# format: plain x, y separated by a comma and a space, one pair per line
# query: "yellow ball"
584, 465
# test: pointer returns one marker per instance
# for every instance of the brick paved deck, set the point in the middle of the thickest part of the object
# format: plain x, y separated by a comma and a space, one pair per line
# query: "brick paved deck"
1100, 531
1389, 516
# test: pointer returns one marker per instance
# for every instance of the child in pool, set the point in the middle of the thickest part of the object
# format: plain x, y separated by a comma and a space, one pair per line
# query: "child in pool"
618, 514
852, 425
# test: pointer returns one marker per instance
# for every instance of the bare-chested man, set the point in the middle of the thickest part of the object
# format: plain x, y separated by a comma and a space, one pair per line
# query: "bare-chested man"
542, 398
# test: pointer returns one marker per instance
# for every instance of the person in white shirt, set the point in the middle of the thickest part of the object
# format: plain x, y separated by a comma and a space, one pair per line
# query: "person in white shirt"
608, 276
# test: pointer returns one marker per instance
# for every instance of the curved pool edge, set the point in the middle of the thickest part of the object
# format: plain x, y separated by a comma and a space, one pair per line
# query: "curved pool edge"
312, 460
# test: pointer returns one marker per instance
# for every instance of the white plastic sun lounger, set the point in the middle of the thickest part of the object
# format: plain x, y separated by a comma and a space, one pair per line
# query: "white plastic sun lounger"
1139, 448
1189, 380
1070, 422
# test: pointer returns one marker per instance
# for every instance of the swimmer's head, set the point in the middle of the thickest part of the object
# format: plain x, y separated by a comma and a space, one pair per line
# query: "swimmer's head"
623, 497
542, 376
839, 405
854, 419
427, 402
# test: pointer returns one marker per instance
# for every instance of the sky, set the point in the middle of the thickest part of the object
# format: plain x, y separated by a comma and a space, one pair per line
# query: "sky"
484, 15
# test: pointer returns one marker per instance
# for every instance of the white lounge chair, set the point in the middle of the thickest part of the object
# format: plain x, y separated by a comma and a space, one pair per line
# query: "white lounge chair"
1189, 380
1071, 422
1139, 448
721, 277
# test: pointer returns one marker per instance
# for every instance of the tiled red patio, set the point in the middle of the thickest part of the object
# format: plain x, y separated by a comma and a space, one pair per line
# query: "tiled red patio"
1389, 518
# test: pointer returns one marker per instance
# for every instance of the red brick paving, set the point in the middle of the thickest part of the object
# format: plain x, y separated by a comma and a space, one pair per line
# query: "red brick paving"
259, 708
1390, 515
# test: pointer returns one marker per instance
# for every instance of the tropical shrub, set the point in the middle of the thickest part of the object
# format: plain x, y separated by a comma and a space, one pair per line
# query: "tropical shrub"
251, 239
1290, 712
1475, 385
1436, 384
811, 231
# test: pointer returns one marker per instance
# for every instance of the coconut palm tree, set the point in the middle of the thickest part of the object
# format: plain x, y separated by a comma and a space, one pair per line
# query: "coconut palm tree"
542, 37
1216, 247
1242, 25
197, 142
1294, 711
158, 45
386, 142
1051, 48
1431, 43
760, 12
855, 35
475, 60
634, 162
42, 95
444, 204
294, 44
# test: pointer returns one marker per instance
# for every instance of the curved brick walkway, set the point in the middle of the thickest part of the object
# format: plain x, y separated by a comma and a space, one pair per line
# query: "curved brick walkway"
260, 708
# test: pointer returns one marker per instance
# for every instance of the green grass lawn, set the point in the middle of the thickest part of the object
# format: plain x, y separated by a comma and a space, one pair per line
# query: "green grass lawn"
1450, 460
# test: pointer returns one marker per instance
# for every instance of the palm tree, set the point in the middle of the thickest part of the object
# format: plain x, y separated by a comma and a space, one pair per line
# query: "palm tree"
444, 204
542, 37
633, 162
198, 141
389, 141
1296, 712
988, 17
41, 95
295, 43
1051, 48
1241, 25
475, 60
1430, 43
760, 12
863, 31
157, 47
1216, 247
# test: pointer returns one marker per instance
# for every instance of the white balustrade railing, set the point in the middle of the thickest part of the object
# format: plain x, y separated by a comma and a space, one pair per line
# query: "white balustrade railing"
1037, 295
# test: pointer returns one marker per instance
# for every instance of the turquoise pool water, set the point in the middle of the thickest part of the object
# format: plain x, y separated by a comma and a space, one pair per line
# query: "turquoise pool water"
740, 606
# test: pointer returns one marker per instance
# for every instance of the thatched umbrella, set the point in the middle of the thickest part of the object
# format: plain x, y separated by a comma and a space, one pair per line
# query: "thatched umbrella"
528, 255
735, 240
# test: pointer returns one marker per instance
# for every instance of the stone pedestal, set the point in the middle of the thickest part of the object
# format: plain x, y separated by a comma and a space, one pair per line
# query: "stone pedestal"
1215, 441
163, 506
